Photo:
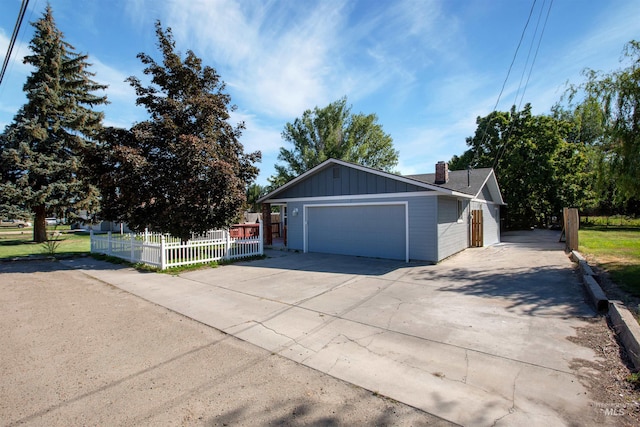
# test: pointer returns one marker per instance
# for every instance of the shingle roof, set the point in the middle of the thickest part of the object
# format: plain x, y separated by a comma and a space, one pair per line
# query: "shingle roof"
464, 181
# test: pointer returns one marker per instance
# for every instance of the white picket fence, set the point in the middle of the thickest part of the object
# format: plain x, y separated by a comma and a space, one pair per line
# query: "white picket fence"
164, 251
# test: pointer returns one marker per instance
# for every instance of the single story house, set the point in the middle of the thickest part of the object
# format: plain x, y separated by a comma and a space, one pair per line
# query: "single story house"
344, 208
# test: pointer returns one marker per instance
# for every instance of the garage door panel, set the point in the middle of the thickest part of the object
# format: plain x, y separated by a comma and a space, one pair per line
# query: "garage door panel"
372, 230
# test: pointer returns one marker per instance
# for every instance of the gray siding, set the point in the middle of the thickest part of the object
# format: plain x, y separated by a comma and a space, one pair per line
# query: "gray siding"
485, 194
295, 227
453, 236
423, 238
337, 180
422, 224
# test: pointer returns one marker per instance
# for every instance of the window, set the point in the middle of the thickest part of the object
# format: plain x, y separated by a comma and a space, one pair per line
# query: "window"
460, 210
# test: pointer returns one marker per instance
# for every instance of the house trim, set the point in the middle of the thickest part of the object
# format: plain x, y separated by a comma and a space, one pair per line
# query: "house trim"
365, 196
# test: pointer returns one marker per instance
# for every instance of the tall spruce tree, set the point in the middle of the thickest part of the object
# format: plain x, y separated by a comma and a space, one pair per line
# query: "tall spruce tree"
184, 170
43, 149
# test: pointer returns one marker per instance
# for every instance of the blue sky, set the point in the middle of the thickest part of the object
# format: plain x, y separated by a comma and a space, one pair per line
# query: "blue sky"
426, 68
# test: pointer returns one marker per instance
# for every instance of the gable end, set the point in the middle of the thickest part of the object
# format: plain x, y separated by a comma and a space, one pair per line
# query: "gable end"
341, 180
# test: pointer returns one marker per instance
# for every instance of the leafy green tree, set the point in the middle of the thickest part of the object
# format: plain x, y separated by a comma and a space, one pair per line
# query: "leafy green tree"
464, 161
538, 169
44, 148
184, 170
254, 192
586, 129
615, 98
333, 132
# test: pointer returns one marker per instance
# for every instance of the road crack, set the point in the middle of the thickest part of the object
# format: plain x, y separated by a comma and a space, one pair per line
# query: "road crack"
512, 409
286, 345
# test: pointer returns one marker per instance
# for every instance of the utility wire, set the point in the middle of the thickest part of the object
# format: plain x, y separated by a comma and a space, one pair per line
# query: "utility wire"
515, 55
484, 137
14, 36
535, 56
502, 148
526, 63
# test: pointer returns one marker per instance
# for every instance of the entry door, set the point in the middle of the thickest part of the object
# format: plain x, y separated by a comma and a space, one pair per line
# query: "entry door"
477, 239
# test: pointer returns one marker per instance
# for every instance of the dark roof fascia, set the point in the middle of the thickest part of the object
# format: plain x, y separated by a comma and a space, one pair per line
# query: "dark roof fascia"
364, 169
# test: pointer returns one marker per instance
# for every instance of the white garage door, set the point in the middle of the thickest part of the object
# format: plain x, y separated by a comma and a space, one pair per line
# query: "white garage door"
377, 231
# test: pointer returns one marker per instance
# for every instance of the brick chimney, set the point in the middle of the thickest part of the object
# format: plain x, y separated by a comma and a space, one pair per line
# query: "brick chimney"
442, 172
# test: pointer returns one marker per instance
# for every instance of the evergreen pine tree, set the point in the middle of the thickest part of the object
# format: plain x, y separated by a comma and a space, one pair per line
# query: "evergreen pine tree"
43, 148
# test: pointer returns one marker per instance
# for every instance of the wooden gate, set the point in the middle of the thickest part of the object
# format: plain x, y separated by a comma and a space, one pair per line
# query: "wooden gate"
477, 239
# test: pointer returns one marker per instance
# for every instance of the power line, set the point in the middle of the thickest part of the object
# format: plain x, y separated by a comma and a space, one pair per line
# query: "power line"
526, 63
535, 56
502, 148
14, 36
524, 30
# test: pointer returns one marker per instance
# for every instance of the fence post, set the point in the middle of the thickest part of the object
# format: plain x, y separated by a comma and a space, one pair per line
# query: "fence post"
109, 243
573, 225
260, 235
91, 240
227, 247
163, 254
131, 252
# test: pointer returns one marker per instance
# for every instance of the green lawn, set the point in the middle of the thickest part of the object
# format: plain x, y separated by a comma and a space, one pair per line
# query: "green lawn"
617, 250
20, 244
609, 221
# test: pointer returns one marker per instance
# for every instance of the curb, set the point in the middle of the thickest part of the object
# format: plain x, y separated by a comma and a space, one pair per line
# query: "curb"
627, 328
623, 322
596, 294
29, 258
598, 298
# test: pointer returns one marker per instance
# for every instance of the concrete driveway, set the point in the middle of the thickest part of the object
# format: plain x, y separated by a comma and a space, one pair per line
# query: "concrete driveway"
479, 339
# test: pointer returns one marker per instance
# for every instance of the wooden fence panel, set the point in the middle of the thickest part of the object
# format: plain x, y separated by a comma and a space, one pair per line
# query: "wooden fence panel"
477, 229
571, 227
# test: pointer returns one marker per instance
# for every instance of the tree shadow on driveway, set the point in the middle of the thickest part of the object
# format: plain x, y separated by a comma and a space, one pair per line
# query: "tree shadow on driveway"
537, 291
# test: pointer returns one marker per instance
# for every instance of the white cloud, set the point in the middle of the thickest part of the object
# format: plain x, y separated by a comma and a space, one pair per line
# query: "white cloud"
437, 140
115, 79
256, 136
20, 50
602, 44
11, 95
278, 62
282, 58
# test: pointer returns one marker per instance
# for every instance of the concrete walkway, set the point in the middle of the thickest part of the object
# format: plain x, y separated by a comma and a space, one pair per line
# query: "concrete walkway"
479, 339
